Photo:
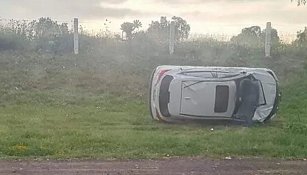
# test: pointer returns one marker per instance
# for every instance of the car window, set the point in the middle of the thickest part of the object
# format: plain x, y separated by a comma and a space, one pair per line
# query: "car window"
262, 100
221, 99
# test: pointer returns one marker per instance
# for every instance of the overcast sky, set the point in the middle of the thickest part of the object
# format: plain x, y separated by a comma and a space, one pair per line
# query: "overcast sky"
205, 16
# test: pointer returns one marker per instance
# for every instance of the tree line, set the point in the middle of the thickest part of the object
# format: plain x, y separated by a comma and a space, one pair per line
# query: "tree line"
48, 35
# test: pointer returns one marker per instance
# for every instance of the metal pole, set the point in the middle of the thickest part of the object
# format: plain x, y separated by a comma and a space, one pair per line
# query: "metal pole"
268, 39
76, 37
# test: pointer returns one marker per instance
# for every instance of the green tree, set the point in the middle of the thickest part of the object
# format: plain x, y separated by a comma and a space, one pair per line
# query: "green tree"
44, 34
182, 28
159, 30
300, 2
301, 38
137, 24
250, 36
129, 28
49, 34
254, 37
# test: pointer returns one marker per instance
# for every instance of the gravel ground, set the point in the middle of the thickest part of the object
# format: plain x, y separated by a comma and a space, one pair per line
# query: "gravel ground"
176, 166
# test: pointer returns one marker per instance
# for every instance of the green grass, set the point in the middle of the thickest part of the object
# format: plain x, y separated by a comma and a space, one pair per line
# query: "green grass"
61, 107
69, 124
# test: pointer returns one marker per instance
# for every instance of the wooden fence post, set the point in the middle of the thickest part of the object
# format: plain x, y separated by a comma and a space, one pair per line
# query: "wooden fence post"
268, 39
76, 36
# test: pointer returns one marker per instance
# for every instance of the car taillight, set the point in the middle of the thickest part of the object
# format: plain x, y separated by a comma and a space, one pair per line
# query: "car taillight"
161, 73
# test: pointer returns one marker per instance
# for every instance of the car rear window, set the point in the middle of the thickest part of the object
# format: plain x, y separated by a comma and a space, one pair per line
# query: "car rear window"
221, 99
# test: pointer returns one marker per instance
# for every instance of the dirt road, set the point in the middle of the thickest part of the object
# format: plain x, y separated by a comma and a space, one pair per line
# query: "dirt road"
172, 166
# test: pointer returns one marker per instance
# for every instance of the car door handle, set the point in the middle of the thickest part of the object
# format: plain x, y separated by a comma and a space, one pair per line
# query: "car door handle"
187, 98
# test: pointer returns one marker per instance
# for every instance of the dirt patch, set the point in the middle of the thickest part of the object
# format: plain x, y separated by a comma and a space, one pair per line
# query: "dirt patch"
176, 166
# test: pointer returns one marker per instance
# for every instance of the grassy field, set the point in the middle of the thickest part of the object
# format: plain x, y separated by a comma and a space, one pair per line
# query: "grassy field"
54, 104
71, 124
94, 105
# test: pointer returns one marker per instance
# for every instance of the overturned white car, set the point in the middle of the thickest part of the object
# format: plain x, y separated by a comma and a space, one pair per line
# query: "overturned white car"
234, 93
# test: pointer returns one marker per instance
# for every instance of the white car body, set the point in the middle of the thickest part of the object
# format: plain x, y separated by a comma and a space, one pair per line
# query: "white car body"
213, 93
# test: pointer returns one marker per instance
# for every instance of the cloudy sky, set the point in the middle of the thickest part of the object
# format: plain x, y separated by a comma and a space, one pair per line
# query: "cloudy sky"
205, 16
